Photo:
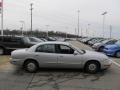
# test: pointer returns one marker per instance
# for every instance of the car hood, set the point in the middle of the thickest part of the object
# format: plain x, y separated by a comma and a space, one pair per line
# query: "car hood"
112, 46
95, 55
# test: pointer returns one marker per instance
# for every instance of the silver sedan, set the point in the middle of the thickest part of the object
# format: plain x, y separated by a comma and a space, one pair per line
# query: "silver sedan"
59, 55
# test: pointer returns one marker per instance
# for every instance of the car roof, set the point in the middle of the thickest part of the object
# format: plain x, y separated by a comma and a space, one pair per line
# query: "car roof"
54, 42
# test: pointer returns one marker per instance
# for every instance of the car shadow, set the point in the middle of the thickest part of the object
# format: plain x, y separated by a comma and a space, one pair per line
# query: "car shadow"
59, 76
61, 73
46, 76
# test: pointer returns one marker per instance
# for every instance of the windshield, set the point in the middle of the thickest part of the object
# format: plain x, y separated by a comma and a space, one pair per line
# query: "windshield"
34, 39
77, 49
52, 38
105, 41
118, 42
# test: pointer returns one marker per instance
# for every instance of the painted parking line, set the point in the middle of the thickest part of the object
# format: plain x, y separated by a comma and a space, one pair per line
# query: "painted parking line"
116, 63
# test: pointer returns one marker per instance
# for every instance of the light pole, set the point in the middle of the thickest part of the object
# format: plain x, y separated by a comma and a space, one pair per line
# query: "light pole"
110, 31
104, 13
78, 22
66, 32
75, 32
87, 30
23, 25
81, 32
31, 16
47, 30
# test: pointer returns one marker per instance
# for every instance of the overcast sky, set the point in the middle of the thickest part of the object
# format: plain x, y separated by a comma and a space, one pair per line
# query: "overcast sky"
61, 15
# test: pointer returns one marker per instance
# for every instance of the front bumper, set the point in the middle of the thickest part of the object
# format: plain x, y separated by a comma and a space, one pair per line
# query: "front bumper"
95, 48
106, 64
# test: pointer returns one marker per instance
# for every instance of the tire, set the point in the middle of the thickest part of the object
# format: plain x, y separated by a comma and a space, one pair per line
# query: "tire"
118, 54
2, 50
101, 49
92, 67
31, 66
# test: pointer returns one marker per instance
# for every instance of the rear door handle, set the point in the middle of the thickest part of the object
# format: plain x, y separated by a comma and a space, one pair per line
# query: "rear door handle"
61, 56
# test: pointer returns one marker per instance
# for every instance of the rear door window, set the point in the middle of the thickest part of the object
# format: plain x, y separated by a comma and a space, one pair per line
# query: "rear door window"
48, 48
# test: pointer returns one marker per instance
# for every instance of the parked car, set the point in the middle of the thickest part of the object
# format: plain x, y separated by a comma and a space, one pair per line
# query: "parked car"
8, 43
94, 40
50, 39
83, 39
45, 40
100, 46
68, 39
113, 50
86, 40
80, 38
35, 39
59, 55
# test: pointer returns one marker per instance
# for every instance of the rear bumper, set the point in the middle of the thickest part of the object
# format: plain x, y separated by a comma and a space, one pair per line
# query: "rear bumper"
17, 62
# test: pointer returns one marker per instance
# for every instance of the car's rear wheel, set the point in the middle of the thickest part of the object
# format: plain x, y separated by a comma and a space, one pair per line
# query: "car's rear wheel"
118, 54
31, 66
92, 67
2, 50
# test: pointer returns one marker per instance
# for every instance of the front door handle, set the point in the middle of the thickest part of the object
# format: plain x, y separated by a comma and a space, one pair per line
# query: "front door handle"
61, 56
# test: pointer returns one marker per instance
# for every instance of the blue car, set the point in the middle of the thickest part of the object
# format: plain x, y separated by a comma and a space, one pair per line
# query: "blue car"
112, 50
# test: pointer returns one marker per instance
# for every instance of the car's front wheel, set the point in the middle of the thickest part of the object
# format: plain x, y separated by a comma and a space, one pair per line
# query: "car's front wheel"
31, 66
92, 67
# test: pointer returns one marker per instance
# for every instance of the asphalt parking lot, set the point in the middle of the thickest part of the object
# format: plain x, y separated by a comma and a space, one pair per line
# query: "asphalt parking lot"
15, 78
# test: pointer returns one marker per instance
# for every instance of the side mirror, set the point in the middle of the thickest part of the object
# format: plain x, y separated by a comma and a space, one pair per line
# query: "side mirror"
75, 53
